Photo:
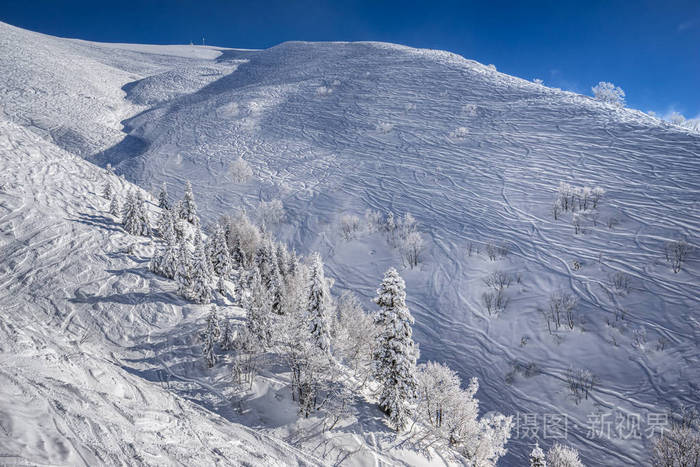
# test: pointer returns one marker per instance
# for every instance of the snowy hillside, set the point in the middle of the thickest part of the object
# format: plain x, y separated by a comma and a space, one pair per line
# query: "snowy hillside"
334, 129
77, 309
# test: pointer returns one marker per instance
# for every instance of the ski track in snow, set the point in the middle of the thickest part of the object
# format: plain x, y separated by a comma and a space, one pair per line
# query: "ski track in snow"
384, 138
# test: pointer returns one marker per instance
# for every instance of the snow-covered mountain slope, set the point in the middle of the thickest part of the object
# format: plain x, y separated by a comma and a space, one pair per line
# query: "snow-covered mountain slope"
476, 156
78, 312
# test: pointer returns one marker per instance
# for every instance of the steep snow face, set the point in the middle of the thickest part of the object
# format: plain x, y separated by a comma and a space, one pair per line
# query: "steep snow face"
476, 156
80, 382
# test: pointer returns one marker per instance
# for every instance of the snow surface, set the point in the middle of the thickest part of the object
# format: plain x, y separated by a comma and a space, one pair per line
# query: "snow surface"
333, 128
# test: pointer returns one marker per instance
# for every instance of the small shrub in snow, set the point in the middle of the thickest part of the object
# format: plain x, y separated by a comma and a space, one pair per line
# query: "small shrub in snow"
620, 283
676, 254
538, 81
384, 127
580, 383
460, 133
609, 93
270, 213
323, 90
469, 110
349, 226
561, 455
495, 252
639, 339
240, 171
373, 220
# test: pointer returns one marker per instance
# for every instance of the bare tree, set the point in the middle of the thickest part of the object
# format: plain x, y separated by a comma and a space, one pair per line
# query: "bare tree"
349, 226
620, 283
412, 249
562, 306
676, 254
580, 383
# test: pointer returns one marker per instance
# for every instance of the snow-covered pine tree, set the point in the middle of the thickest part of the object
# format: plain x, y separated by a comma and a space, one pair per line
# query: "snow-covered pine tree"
129, 214
220, 257
107, 191
292, 265
236, 255
188, 209
143, 224
395, 356
258, 306
211, 336
537, 458
282, 260
200, 291
221, 286
318, 313
165, 263
226, 336
163, 201
183, 272
114, 206
134, 215
166, 224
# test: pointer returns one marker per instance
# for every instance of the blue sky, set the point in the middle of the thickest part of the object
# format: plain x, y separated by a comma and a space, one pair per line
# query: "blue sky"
649, 48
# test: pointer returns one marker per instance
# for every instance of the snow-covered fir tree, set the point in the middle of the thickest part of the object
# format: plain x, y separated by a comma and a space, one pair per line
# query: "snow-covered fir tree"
183, 271
166, 224
219, 254
114, 206
537, 457
188, 208
210, 337
226, 336
107, 191
163, 201
143, 221
166, 261
396, 354
129, 215
318, 311
282, 260
257, 304
134, 215
200, 290
236, 255
221, 286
